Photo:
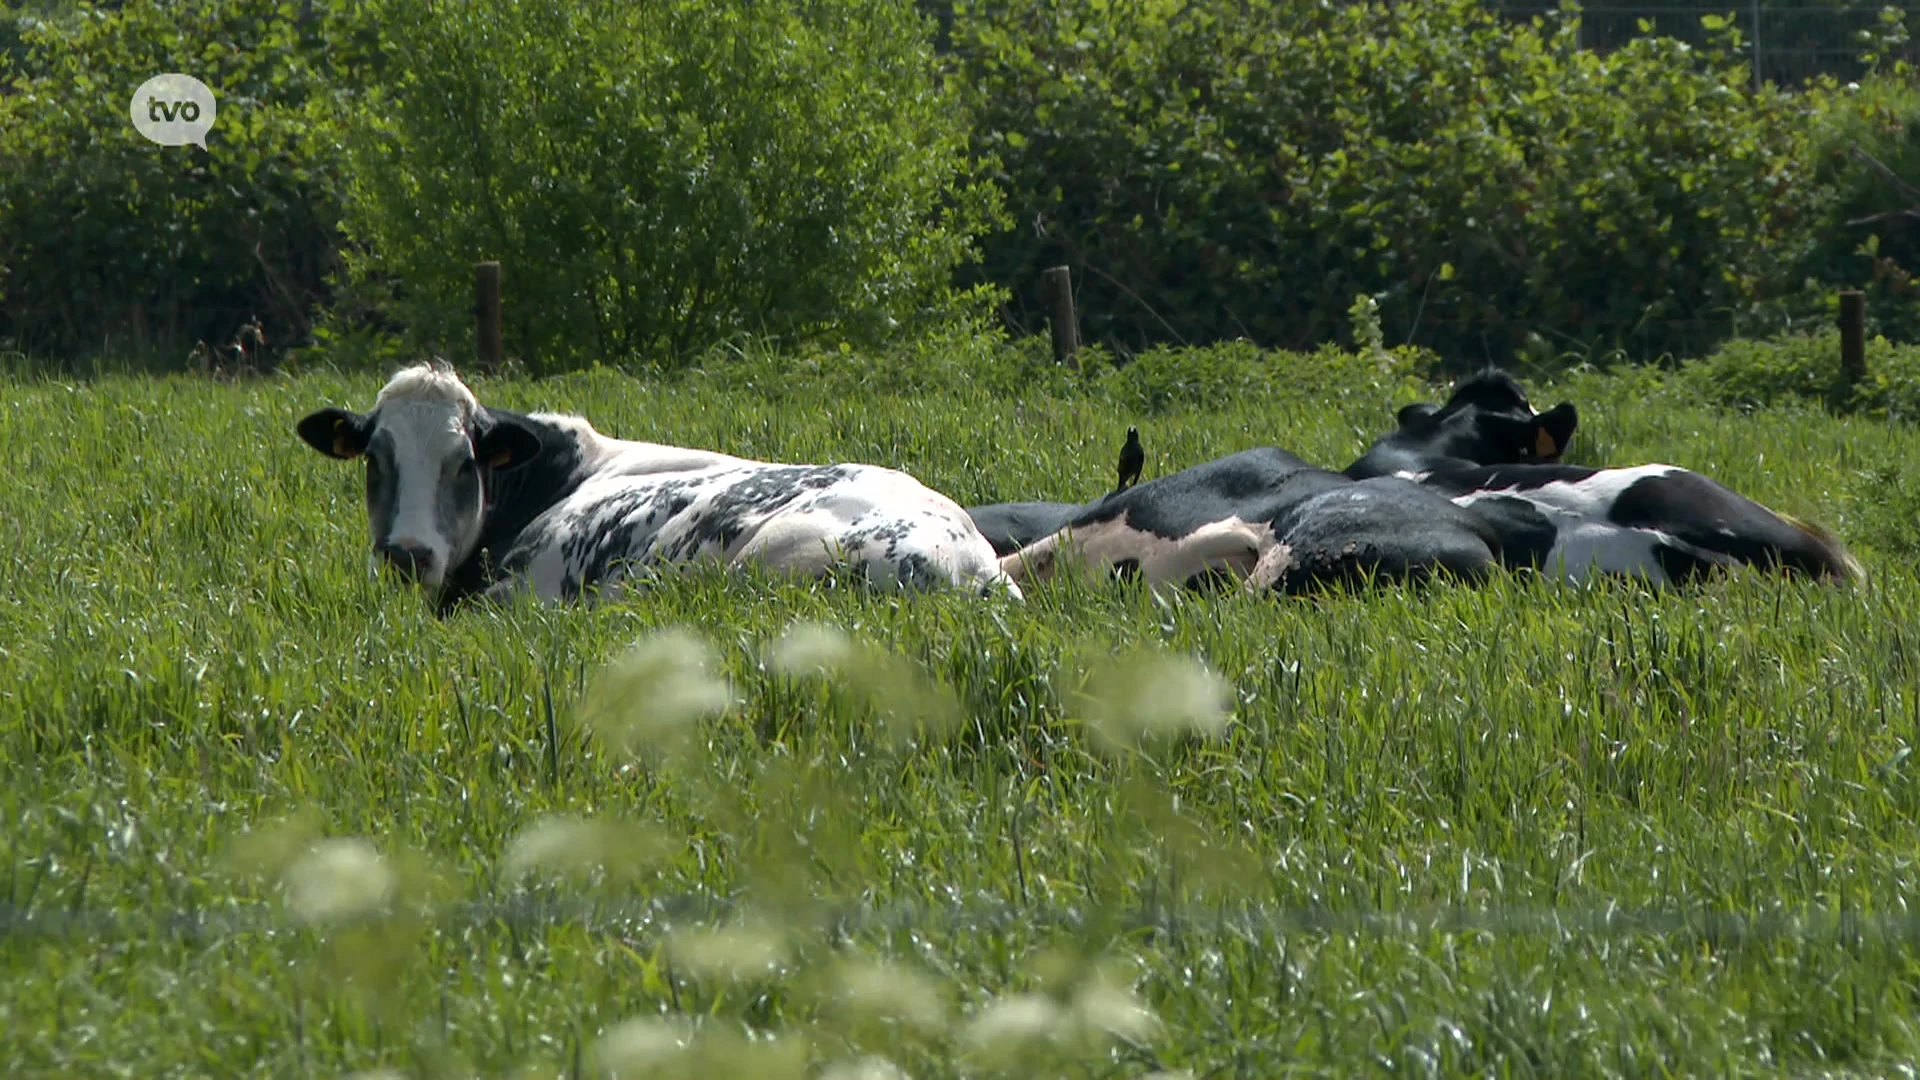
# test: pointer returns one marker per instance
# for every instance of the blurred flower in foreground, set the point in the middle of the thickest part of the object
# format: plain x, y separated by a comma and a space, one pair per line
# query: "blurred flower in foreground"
653, 1046
905, 700
1013, 1028
639, 1046
808, 648
652, 695
1006, 1029
339, 879
869, 989
1103, 1006
866, 1068
1151, 693
270, 847
563, 845
736, 953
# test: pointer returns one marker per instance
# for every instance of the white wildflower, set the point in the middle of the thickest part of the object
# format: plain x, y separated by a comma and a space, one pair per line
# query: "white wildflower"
1013, 1022
1153, 693
866, 1068
633, 1047
810, 647
735, 953
657, 689
1103, 1007
339, 879
892, 992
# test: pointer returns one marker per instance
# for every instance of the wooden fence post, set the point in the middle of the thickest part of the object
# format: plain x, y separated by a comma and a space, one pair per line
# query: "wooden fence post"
1853, 336
486, 312
1066, 326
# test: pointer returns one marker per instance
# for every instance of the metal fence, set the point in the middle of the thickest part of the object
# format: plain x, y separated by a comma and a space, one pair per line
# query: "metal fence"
1785, 44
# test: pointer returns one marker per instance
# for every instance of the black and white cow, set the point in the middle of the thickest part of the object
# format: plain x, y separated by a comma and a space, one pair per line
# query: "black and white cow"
468, 499
1488, 452
1010, 526
1269, 520
1486, 421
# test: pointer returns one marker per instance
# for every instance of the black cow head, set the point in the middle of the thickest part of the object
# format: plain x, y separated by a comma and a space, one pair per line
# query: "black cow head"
1489, 421
430, 447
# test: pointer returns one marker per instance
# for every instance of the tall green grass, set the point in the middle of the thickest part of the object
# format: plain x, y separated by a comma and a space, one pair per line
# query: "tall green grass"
1522, 830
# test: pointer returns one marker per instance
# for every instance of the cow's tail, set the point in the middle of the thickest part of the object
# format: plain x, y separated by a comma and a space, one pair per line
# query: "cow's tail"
1830, 558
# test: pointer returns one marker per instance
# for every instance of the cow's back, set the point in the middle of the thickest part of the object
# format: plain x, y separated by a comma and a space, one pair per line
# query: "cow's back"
1011, 526
803, 519
1385, 528
1269, 516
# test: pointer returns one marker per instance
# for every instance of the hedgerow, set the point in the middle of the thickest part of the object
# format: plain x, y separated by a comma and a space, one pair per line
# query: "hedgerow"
1217, 169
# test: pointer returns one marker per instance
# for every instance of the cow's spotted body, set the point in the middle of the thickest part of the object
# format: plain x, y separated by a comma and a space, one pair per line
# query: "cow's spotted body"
1011, 526
1488, 452
469, 499
1269, 520
801, 518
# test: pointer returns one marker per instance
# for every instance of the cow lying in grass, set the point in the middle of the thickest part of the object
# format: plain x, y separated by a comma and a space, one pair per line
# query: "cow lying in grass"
1010, 526
467, 499
1488, 451
1271, 520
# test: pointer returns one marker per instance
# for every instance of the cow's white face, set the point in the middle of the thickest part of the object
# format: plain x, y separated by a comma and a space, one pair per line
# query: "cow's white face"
430, 452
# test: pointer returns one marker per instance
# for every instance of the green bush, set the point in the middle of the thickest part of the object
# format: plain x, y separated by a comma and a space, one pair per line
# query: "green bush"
1222, 168
1865, 152
109, 242
659, 177
1806, 368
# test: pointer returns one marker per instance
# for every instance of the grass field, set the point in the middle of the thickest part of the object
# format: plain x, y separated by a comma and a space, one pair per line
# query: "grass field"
1520, 831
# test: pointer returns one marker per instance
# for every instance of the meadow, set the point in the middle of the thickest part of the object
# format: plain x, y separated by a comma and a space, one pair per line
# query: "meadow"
267, 816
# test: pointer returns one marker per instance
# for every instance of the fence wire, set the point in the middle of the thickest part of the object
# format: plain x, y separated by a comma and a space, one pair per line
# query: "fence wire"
636, 916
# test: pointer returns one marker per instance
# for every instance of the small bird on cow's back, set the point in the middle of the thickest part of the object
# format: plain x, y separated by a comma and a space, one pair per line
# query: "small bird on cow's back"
1132, 460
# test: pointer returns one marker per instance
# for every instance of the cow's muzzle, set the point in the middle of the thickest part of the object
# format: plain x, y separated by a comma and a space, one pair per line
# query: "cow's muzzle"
414, 561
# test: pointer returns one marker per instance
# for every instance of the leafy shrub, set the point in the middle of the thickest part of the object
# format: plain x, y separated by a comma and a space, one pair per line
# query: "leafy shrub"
1865, 152
106, 238
1806, 367
1219, 168
662, 176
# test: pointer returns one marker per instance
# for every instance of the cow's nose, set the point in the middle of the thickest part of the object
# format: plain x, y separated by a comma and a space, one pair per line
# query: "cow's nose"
409, 559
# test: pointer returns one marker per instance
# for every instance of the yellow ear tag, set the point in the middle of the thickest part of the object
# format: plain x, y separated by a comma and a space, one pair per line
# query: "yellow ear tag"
1543, 444
500, 460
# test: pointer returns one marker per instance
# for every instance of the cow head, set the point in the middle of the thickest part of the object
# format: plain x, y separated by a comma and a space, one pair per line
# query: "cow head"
431, 454
1489, 421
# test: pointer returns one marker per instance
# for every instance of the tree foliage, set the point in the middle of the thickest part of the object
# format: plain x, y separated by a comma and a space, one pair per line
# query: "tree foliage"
107, 239
663, 176
1222, 168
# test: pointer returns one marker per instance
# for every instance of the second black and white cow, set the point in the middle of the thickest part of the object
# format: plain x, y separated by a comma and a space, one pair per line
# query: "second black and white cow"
1010, 526
467, 499
1269, 520
1488, 452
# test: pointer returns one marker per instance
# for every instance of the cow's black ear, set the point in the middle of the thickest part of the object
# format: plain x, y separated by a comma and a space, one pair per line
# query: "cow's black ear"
1553, 430
337, 433
505, 444
1417, 413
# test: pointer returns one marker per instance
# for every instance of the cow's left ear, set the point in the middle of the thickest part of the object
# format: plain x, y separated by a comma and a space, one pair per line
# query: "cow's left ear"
1553, 430
1417, 413
337, 433
503, 444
